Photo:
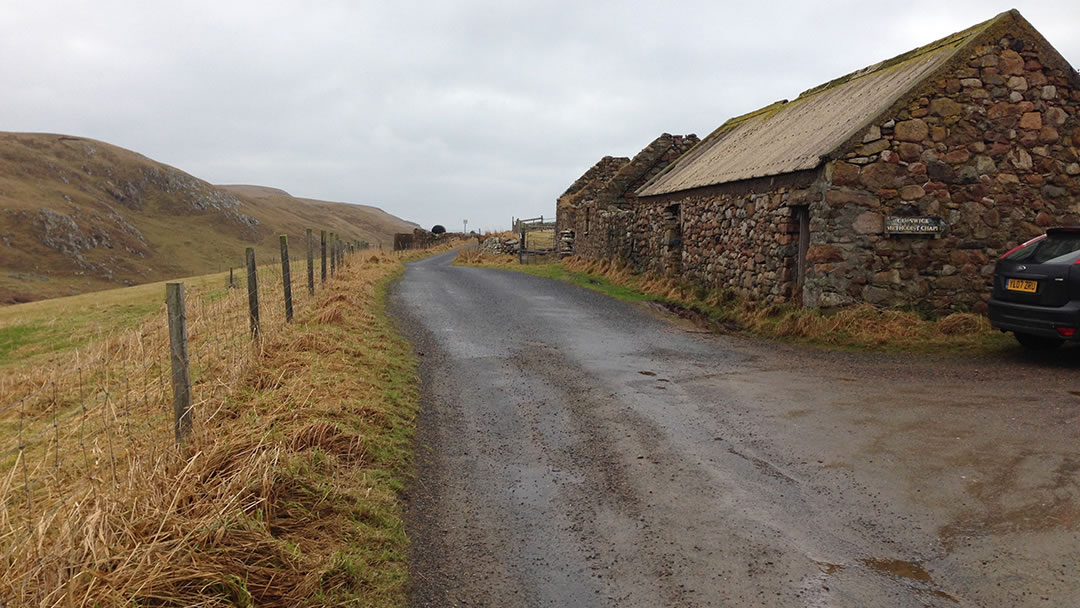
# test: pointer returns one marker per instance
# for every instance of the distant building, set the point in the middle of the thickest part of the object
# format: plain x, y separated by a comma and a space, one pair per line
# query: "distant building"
899, 184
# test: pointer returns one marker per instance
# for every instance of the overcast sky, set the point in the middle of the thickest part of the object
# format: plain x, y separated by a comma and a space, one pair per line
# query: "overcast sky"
438, 111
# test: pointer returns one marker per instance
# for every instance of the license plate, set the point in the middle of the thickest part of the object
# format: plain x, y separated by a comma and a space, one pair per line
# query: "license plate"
1022, 285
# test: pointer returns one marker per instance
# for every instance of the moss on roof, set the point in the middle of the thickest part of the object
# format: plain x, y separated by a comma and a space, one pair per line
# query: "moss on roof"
788, 136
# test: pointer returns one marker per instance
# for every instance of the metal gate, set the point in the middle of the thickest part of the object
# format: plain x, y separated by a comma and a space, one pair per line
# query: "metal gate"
536, 238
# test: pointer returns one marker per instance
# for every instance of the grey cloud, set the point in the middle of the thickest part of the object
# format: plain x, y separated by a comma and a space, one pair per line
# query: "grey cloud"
437, 111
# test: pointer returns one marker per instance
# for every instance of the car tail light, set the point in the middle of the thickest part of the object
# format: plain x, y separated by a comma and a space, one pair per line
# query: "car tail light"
1021, 246
1066, 332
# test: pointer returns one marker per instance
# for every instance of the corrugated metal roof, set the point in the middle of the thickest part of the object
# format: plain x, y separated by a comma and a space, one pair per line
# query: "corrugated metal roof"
793, 136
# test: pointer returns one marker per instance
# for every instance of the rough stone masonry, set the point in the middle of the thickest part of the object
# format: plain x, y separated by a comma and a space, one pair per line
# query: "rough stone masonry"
984, 139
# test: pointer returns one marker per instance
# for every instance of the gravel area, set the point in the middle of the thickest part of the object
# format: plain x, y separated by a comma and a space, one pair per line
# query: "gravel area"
574, 450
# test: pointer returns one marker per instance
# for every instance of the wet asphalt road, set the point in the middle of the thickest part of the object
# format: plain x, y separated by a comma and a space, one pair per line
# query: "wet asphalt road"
577, 451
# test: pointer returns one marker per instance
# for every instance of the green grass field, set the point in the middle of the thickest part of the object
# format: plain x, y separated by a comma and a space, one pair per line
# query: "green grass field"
33, 331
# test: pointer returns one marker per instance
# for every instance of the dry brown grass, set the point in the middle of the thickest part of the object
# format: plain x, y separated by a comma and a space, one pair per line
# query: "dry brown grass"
286, 494
477, 257
857, 326
540, 239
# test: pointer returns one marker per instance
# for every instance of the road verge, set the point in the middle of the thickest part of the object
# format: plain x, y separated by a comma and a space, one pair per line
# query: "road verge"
863, 327
288, 494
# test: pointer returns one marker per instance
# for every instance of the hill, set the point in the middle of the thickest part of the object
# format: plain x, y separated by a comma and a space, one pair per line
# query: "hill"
79, 215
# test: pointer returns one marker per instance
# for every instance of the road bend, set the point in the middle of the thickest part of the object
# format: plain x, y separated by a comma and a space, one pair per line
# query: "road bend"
578, 451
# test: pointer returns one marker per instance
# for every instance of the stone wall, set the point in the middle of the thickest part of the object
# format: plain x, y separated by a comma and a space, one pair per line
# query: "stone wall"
991, 148
621, 189
599, 213
417, 239
570, 207
743, 238
989, 145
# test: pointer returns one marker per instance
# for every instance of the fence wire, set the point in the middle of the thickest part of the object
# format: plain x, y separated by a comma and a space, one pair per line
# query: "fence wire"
67, 432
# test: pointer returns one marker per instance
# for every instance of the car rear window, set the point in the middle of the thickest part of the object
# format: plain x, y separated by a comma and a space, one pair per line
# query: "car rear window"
1056, 248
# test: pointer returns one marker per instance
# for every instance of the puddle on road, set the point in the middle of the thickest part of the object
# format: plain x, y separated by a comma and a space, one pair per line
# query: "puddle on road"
1033, 492
1046, 516
899, 567
914, 572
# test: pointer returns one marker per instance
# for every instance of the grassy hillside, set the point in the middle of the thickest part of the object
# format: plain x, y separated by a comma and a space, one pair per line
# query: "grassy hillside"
292, 215
79, 215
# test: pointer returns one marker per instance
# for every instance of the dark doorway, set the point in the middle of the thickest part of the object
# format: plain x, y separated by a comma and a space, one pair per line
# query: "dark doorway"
673, 239
802, 218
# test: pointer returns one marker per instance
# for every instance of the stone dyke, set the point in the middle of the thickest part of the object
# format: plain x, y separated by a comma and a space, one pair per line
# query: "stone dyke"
990, 147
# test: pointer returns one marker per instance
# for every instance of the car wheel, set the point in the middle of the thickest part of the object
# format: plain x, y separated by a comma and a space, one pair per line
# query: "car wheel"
1037, 342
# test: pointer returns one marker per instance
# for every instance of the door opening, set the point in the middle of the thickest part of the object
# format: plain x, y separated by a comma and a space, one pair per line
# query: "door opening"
673, 239
802, 218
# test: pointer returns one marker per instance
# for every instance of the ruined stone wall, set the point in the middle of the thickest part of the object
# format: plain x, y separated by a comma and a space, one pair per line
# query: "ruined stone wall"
991, 148
621, 190
597, 175
599, 214
417, 239
570, 207
743, 240
609, 236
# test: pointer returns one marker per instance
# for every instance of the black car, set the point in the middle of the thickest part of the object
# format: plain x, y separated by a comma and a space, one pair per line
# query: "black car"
1037, 290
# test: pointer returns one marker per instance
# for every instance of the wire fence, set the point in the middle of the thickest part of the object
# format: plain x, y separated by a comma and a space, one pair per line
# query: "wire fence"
68, 431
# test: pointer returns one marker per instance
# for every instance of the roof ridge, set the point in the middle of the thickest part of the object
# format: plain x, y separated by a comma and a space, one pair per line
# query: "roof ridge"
957, 38
796, 135
953, 38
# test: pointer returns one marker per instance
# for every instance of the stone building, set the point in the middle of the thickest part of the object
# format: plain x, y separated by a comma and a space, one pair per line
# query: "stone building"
417, 239
599, 206
899, 184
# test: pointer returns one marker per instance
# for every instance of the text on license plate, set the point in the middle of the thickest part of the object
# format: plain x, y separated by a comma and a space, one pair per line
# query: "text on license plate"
1022, 285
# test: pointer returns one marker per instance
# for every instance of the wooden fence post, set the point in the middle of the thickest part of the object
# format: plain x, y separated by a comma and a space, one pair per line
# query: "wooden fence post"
322, 241
333, 253
286, 277
253, 293
310, 264
230, 285
521, 246
178, 347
